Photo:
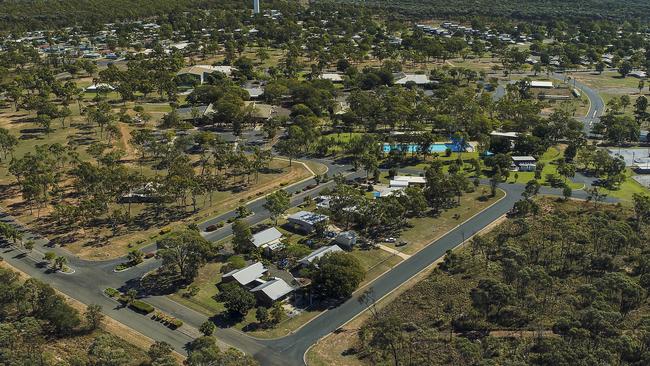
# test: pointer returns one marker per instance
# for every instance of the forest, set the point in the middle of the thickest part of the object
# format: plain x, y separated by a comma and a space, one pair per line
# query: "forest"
515, 9
568, 285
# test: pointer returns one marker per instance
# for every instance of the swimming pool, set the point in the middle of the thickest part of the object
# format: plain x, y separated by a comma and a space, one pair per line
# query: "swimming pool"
414, 148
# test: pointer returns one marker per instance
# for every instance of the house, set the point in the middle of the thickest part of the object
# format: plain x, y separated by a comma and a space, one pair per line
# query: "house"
398, 183
639, 74
268, 239
417, 79
254, 92
97, 87
410, 180
541, 84
200, 72
524, 163
388, 191
335, 78
346, 238
306, 220
323, 201
319, 253
245, 276
260, 112
271, 291
188, 113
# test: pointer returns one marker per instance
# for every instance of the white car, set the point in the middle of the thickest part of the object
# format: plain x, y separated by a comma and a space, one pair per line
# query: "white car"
390, 240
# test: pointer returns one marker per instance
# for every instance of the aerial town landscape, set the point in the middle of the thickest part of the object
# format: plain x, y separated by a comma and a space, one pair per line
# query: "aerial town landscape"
338, 182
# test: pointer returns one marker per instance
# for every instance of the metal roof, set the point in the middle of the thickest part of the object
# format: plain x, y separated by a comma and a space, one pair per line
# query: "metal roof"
248, 274
274, 289
266, 236
318, 253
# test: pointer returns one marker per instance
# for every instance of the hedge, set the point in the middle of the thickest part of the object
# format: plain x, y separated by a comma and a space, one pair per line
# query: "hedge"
111, 292
142, 307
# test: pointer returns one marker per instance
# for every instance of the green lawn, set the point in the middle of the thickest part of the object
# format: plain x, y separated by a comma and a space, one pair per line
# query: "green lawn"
207, 280
627, 189
427, 229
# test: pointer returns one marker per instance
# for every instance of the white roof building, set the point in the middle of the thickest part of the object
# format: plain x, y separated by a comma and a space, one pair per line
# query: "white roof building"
398, 183
541, 84
269, 238
410, 179
99, 86
418, 79
318, 253
333, 77
246, 275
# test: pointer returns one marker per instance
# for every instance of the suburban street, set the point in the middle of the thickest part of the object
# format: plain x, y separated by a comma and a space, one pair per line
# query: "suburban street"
90, 278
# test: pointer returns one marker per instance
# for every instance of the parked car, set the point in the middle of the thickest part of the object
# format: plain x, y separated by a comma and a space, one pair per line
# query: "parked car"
390, 240
401, 243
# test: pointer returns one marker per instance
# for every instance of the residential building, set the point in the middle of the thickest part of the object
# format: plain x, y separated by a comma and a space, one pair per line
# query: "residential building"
541, 84
524, 163
271, 291
269, 239
319, 253
188, 113
306, 220
347, 239
245, 276
201, 71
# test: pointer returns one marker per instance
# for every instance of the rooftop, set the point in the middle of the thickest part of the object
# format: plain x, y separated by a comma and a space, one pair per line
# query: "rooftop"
248, 274
274, 289
320, 252
308, 217
266, 236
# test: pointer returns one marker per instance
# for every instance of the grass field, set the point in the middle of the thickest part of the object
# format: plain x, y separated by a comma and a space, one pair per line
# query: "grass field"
427, 229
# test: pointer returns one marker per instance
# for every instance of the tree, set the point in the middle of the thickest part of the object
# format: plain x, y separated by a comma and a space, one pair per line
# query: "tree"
262, 315
277, 203
567, 192
276, 313
49, 256
93, 316
105, 351
160, 354
207, 328
641, 209
60, 262
242, 239
135, 256
625, 68
204, 351
337, 275
237, 300
183, 253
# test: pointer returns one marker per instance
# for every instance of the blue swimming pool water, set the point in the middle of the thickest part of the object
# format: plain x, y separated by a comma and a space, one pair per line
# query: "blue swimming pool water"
413, 148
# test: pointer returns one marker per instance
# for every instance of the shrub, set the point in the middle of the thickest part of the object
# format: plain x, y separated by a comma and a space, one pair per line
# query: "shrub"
165, 230
142, 307
175, 323
111, 292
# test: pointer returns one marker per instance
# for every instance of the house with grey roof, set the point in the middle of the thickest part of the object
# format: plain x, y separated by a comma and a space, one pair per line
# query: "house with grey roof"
346, 238
306, 220
319, 253
245, 276
271, 291
269, 239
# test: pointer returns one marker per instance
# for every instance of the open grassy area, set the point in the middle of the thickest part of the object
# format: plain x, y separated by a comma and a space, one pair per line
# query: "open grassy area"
427, 229
627, 189
206, 281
